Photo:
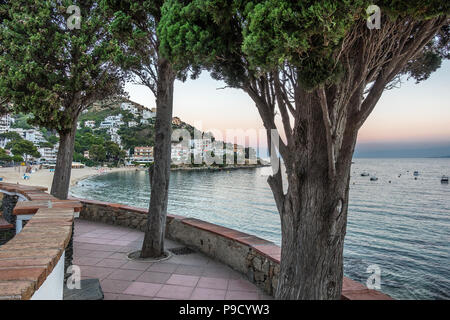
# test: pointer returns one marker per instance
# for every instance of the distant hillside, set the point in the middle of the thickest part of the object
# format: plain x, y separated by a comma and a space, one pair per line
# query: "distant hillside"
136, 127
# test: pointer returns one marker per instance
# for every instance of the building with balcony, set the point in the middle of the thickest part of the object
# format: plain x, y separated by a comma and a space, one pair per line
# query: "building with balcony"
143, 154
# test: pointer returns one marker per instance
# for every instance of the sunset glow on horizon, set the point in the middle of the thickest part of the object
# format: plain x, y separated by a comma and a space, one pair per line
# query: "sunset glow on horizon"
412, 113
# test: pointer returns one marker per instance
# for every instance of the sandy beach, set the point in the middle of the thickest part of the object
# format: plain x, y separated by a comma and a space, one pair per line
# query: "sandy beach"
44, 177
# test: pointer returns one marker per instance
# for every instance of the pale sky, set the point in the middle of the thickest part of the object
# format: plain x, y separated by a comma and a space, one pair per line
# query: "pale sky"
412, 114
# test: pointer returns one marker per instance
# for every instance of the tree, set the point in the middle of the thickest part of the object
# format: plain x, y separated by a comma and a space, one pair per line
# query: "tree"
113, 152
23, 148
97, 153
55, 72
134, 25
17, 158
4, 157
319, 66
11, 135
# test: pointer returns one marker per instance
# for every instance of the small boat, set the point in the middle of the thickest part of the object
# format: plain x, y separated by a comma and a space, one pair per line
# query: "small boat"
365, 174
416, 173
444, 179
373, 179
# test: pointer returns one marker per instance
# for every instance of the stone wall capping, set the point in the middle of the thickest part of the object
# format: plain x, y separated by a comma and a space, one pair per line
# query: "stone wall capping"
31, 255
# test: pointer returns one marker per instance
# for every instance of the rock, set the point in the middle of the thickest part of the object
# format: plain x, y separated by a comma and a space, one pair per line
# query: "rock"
90, 290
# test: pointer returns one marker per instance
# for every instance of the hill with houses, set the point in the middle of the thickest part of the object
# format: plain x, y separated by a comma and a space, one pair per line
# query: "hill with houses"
114, 132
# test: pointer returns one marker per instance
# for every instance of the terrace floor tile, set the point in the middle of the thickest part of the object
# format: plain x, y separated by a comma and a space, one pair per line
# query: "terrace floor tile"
101, 252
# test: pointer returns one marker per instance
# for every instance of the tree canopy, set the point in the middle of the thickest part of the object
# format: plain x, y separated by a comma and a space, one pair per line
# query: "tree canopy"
231, 38
49, 70
320, 68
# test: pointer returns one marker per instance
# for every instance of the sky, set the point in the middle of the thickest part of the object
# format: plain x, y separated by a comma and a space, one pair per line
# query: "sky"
412, 121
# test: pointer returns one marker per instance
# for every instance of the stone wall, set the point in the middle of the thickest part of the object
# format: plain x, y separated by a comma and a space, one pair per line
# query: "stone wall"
28, 261
254, 257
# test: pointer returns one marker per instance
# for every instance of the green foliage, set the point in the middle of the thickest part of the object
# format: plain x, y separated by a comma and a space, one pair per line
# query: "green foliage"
23, 147
99, 115
11, 135
17, 158
53, 139
22, 121
141, 135
4, 157
51, 71
234, 38
45, 145
97, 153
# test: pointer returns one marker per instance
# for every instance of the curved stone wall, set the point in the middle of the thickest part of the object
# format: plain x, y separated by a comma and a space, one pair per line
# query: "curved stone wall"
257, 258
31, 263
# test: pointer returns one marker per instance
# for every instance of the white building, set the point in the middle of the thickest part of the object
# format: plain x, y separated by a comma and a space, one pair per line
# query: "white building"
144, 121
89, 124
180, 154
5, 123
112, 121
148, 114
34, 136
115, 137
48, 155
129, 107
132, 124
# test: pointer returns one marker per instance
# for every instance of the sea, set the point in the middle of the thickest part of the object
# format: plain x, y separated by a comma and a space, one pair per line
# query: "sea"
398, 226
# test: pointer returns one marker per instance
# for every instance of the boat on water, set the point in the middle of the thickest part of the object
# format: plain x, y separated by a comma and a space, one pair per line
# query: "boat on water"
373, 179
365, 174
444, 179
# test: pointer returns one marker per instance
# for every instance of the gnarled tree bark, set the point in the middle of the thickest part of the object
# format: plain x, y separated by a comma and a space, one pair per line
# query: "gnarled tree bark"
319, 148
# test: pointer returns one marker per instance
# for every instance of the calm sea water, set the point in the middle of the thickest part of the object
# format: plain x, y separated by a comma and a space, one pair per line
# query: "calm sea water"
402, 226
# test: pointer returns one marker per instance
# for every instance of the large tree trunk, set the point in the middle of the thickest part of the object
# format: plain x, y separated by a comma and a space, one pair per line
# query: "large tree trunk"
314, 212
153, 245
63, 168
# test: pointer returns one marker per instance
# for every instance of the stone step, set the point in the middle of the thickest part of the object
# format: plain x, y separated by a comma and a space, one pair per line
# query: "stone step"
90, 290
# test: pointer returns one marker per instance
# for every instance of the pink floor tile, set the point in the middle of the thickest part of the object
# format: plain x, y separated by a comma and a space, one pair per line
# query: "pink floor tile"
154, 277
95, 272
163, 267
111, 263
242, 285
122, 274
98, 254
135, 265
143, 289
119, 256
189, 270
241, 295
132, 297
183, 280
223, 273
86, 261
114, 286
175, 292
213, 283
208, 294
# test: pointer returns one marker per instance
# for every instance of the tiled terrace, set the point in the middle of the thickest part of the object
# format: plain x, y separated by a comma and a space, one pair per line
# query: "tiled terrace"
100, 250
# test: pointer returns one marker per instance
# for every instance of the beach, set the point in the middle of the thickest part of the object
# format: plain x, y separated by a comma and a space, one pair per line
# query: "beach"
44, 177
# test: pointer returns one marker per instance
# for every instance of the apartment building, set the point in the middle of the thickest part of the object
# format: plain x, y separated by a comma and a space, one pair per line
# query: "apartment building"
143, 154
